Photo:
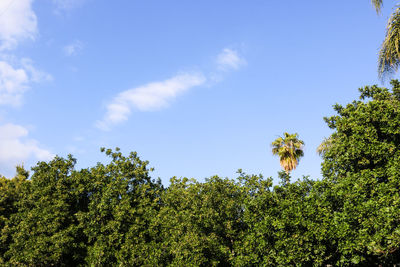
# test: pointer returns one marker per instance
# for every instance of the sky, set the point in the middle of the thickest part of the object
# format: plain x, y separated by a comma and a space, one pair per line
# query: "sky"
197, 88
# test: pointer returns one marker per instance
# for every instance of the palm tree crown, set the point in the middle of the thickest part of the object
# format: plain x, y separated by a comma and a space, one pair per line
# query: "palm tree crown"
389, 54
289, 149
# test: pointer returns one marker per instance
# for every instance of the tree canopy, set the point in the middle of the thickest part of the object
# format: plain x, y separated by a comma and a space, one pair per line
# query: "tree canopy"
115, 214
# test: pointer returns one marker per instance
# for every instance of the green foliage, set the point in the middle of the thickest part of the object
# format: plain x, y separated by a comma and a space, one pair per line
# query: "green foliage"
122, 200
367, 136
363, 163
98, 216
45, 231
201, 222
288, 225
10, 194
116, 215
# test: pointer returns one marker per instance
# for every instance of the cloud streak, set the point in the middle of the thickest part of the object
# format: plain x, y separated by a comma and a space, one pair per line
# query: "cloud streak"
157, 95
229, 60
149, 97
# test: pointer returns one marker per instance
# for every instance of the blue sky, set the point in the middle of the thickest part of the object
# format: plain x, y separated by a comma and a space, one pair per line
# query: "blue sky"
198, 88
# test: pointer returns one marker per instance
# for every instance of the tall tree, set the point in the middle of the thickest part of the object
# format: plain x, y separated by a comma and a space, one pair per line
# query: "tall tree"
289, 148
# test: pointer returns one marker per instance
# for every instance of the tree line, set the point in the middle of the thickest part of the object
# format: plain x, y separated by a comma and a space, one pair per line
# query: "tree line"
115, 214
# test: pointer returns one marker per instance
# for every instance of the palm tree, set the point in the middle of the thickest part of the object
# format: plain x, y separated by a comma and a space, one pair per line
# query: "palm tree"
389, 54
289, 149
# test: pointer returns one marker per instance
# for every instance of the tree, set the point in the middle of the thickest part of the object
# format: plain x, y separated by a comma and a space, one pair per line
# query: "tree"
93, 217
201, 223
367, 133
44, 231
363, 164
289, 149
389, 54
11, 192
122, 202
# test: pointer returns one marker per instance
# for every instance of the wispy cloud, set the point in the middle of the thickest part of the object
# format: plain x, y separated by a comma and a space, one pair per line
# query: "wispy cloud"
17, 22
148, 97
229, 59
16, 147
35, 75
74, 48
14, 81
157, 95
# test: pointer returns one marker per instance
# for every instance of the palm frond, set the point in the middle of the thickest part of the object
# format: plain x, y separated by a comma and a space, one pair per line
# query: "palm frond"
378, 5
389, 54
325, 146
289, 148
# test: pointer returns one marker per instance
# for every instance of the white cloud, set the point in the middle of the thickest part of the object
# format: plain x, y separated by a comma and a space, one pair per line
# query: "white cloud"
15, 81
229, 59
157, 95
17, 22
149, 97
15, 147
74, 48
